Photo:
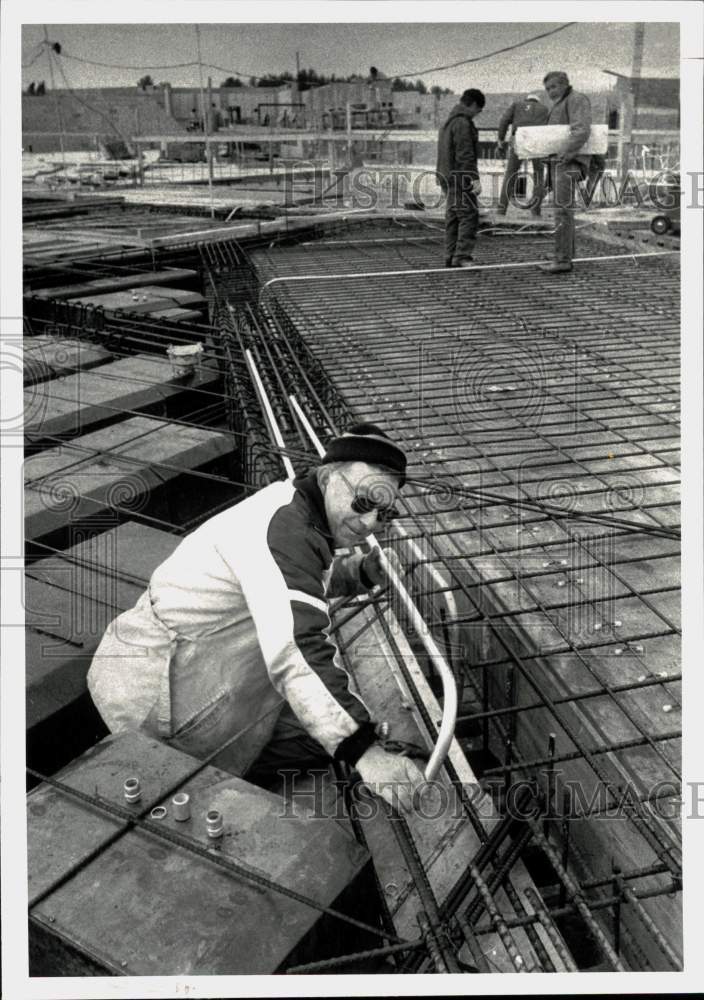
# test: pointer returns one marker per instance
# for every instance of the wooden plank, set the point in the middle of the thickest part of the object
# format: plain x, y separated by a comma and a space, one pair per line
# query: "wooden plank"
45, 357
178, 315
70, 599
142, 299
88, 398
169, 276
61, 832
117, 465
145, 907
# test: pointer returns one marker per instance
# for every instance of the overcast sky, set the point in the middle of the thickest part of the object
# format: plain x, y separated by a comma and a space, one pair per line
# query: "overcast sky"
255, 49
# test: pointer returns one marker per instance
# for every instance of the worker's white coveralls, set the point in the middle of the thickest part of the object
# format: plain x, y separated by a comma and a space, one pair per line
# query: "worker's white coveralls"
233, 621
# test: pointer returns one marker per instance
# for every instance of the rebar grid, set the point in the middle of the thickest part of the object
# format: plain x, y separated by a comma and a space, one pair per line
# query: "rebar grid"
581, 750
638, 742
435, 935
384, 248
285, 357
436, 919
516, 957
346, 339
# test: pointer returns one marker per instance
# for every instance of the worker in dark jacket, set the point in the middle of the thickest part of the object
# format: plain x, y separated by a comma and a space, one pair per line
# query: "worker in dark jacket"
569, 166
530, 111
458, 175
232, 634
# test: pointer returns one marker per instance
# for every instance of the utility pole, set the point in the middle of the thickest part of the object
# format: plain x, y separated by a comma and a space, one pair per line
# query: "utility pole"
211, 116
637, 65
631, 99
206, 131
295, 91
211, 130
56, 96
140, 158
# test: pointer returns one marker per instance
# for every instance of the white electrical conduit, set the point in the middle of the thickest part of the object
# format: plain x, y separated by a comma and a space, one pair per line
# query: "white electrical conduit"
454, 271
445, 595
269, 415
449, 714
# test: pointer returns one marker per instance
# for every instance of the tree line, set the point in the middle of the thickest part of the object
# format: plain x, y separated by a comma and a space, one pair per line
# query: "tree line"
308, 78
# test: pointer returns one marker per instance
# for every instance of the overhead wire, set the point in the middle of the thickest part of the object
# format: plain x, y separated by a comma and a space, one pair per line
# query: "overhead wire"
107, 65
486, 55
256, 76
38, 50
113, 126
150, 66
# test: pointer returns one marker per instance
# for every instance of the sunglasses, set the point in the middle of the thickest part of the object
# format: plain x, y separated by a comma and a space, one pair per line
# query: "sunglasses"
365, 505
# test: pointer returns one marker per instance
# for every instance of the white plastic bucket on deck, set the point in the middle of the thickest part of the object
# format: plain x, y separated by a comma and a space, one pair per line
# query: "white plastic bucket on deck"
533, 141
184, 358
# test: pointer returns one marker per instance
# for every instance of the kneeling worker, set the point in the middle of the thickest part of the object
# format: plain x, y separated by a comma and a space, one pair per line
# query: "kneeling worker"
232, 632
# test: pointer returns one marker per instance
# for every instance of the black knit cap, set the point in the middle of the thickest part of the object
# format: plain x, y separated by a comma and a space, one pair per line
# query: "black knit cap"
367, 443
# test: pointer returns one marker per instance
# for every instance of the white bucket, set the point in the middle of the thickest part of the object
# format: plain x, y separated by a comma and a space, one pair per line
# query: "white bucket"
184, 358
534, 141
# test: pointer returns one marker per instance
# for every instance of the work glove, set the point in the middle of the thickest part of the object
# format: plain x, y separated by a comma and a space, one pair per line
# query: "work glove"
397, 780
372, 570
404, 748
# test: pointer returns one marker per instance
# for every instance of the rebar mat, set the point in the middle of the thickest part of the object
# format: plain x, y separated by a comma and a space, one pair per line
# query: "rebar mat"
541, 416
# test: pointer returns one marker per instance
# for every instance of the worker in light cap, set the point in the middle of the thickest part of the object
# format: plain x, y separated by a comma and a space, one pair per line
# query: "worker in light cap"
528, 111
232, 633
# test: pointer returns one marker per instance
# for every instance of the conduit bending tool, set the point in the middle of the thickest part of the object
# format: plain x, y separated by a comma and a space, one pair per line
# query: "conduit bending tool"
449, 688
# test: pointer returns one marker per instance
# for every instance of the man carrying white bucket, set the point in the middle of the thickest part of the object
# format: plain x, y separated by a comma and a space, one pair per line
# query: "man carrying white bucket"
569, 166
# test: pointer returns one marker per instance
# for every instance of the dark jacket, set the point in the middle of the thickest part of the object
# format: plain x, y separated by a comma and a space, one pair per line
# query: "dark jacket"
574, 109
458, 142
522, 113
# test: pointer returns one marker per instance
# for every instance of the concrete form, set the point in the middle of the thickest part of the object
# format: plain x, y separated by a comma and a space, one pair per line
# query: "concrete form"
79, 402
152, 300
116, 566
142, 905
174, 276
70, 599
117, 466
45, 357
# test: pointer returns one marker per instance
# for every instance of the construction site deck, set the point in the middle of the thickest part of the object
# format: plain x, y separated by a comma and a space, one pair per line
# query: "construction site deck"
539, 536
